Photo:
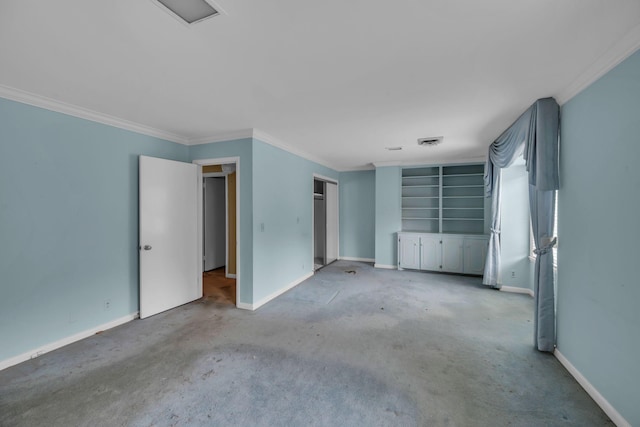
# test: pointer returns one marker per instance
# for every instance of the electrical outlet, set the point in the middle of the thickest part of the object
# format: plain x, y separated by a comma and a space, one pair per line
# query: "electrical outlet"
107, 305
513, 274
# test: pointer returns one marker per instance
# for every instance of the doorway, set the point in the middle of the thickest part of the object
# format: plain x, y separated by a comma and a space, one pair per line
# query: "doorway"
220, 210
325, 222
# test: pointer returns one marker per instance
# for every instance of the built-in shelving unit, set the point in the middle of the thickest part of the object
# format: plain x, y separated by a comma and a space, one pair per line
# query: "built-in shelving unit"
443, 199
421, 199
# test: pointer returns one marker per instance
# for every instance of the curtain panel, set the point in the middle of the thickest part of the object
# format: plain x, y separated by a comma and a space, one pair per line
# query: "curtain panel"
535, 136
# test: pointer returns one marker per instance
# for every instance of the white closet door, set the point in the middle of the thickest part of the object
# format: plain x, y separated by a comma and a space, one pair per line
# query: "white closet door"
331, 197
170, 260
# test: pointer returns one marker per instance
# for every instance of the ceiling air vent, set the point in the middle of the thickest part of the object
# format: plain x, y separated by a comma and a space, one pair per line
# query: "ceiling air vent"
435, 140
190, 11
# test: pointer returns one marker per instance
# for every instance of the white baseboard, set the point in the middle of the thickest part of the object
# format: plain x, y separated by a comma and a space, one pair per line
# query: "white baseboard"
387, 267
276, 294
517, 290
244, 306
32, 354
350, 258
592, 391
230, 276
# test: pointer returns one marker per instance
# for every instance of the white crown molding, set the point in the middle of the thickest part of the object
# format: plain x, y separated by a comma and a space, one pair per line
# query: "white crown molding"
389, 163
263, 137
407, 163
617, 53
221, 137
40, 101
367, 167
268, 139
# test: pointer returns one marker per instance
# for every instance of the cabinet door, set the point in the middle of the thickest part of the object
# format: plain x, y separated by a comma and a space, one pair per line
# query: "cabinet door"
430, 252
475, 253
409, 251
452, 254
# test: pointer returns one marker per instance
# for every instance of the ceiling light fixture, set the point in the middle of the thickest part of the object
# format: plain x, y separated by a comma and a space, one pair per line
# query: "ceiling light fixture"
393, 148
190, 11
430, 142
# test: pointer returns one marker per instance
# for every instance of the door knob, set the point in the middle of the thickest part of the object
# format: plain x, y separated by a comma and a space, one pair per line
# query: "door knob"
147, 247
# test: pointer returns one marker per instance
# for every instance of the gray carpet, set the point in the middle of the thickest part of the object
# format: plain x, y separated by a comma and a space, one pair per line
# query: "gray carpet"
352, 346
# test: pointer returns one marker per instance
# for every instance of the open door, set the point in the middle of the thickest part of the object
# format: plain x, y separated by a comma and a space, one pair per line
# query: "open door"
331, 197
170, 259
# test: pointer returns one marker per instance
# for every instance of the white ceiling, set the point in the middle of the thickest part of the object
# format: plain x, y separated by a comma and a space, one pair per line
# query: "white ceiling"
335, 81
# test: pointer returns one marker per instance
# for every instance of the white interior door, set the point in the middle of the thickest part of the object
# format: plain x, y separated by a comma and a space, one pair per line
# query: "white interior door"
170, 260
331, 198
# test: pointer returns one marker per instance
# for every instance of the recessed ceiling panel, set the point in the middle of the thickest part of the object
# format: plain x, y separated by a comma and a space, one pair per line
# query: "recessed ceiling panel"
190, 11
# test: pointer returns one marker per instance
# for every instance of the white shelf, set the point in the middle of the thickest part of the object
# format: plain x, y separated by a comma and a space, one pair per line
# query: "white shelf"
440, 184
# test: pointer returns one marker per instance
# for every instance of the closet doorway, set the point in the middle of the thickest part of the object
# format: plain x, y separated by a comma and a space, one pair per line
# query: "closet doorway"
325, 222
219, 210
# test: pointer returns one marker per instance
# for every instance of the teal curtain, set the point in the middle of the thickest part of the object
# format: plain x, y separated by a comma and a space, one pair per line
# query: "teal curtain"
536, 135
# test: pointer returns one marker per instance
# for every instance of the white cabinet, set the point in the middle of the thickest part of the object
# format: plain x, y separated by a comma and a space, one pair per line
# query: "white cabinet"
451, 253
409, 251
475, 254
430, 252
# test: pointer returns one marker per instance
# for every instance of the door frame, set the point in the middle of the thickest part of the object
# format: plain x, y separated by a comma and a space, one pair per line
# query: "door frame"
316, 176
220, 161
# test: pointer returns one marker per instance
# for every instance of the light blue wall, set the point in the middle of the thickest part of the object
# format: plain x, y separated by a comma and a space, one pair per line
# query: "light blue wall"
514, 237
599, 232
282, 219
242, 148
388, 214
357, 214
68, 223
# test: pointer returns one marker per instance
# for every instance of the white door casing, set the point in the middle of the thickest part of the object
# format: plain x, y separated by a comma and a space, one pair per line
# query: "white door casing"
170, 256
215, 214
331, 204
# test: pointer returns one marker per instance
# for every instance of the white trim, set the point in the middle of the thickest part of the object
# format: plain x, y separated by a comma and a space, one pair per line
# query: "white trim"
350, 258
32, 354
614, 55
219, 161
409, 163
268, 139
230, 136
608, 409
230, 276
50, 104
244, 306
324, 178
226, 227
386, 267
367, 167
517, 290
274, 295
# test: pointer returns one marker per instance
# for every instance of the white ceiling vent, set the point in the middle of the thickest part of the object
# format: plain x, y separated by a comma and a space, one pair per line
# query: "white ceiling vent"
190, 11
434, 140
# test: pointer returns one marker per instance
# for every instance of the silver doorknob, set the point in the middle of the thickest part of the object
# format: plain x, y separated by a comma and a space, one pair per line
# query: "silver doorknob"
147, 247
